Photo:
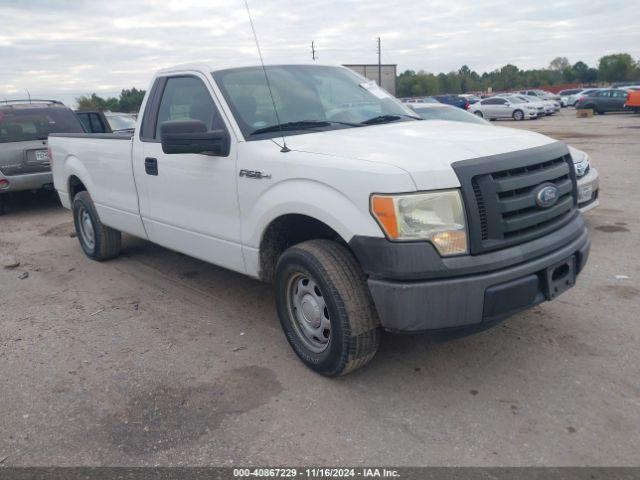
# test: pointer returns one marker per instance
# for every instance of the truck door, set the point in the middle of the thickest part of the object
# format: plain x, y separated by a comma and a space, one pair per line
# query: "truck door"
188, 202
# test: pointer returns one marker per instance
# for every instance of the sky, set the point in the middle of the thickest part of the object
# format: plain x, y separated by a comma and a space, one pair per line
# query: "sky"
65, 48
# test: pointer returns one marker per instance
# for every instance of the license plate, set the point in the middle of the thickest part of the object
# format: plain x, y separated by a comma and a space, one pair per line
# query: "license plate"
584, 193
560, 277
42, 155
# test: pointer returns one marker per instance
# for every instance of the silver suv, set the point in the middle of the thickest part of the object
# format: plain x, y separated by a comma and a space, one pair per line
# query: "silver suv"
24, 128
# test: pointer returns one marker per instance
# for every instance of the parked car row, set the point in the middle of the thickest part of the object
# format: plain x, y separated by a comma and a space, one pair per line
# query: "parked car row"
604, 100
587, 176
463, 101
601, 100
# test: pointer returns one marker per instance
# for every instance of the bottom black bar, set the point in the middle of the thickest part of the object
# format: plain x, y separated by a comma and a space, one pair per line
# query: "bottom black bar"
401, 473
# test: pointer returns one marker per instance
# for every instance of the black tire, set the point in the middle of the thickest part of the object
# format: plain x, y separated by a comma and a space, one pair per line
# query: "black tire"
354, 334
107, 242
478, 113
521, 115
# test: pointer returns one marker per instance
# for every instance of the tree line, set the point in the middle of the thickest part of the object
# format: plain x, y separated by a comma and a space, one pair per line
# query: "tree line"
619, 67
129, 101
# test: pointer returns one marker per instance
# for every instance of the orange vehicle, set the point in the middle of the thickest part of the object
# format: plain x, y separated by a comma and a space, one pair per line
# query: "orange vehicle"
633, 100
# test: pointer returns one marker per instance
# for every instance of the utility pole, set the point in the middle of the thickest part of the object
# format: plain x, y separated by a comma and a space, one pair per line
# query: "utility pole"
379, 64
313, 51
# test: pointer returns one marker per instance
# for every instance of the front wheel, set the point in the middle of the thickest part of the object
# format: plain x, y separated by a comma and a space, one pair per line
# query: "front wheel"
98, 241
325, 307
518, 115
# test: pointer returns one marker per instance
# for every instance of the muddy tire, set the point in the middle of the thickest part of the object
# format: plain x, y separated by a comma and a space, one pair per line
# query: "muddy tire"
98, 241
325, 307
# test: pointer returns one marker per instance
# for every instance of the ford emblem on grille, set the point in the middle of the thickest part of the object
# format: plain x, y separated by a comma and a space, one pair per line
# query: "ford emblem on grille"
547, 196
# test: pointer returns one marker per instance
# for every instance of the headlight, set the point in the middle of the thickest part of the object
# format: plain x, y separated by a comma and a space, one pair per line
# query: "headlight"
582, 167
581, 161
435, 216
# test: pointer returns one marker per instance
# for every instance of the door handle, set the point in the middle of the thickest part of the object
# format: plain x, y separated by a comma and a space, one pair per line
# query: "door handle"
151, 166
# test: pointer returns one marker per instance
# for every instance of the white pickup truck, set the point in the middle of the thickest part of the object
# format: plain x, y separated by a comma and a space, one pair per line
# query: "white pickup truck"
363, 216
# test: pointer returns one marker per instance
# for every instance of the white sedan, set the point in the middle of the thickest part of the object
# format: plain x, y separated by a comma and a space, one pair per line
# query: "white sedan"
504, 107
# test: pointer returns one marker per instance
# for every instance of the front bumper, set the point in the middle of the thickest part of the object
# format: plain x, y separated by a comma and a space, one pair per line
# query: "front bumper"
467, 291
588, 183
31, 181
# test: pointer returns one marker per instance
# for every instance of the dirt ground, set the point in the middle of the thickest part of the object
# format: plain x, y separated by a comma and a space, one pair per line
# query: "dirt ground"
159, 359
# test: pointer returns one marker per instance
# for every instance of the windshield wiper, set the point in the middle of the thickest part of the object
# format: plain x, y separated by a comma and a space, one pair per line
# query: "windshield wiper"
301, 125
387, 118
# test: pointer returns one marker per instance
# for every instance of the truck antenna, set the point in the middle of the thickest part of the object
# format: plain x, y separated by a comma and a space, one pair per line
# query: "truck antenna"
284, 149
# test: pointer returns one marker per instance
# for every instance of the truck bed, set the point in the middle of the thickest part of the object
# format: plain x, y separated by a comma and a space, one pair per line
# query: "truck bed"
102, 162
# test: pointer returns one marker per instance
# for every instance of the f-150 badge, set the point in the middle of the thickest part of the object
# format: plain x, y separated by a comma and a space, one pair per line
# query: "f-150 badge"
254, 174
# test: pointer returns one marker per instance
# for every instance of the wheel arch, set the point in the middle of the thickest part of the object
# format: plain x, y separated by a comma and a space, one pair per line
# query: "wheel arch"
77, 177
74, 186
286, 231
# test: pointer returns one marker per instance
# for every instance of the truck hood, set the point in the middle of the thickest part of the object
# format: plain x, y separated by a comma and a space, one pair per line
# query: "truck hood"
424, 149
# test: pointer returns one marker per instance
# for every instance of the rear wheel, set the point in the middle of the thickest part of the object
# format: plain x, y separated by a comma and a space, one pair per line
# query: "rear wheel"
98, 241
478, 113
325, 308
518, 115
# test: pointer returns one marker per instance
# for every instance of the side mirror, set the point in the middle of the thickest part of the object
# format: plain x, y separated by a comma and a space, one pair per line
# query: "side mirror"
192, 136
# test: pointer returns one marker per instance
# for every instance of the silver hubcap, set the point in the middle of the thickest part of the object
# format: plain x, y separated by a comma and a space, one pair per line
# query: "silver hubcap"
86, 228
309, 312
518, 116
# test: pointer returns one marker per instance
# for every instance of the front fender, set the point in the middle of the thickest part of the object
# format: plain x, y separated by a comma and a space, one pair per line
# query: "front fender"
314, 199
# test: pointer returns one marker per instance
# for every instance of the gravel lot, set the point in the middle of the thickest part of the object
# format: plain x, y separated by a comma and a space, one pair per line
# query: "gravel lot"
159, 359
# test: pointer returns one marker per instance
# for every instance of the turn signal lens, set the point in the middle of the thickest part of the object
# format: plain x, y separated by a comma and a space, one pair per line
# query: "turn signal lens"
384, 211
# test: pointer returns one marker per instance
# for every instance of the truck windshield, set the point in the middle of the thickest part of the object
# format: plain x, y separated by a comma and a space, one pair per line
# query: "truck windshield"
307, 98
22, 123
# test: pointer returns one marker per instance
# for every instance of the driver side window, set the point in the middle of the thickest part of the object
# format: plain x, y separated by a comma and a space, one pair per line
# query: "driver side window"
187, 98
